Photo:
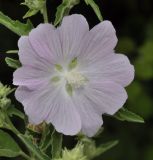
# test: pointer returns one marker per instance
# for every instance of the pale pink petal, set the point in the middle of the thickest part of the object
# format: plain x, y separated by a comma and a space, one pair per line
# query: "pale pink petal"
100, 41
115, 67
52, 105
64, 115
90, 118
72, 31
46, 43
31, 77
105, 97
29, 57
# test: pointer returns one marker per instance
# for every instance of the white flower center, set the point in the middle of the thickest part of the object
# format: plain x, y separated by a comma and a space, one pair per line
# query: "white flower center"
75, 79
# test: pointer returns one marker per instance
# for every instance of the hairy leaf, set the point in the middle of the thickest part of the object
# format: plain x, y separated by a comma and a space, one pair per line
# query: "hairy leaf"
33, 148
126, 115
12, 62
95, 8
64, 9
8, 147
15, 26
13, 111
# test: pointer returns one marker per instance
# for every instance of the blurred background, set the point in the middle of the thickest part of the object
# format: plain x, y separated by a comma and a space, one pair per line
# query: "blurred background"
133, 20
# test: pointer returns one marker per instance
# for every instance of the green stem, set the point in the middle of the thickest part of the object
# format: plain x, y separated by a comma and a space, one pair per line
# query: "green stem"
44, 13
25, 156
56, 141
10, 125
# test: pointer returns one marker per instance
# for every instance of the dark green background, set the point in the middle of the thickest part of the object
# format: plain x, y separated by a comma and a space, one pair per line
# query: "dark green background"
133, 20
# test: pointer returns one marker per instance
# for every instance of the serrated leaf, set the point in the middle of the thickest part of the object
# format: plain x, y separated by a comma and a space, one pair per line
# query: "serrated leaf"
15, 26
95, 7
13, 111
63, 9
8, 147
56, 142
13, 63
30, 13
126, 115
33, 148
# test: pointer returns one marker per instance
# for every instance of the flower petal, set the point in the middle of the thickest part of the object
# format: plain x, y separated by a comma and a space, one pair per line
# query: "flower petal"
64, 115
31, 77
114, 67
72, 31
51, 105
90, 118
107, 97
100, 41
28, 56
46, 43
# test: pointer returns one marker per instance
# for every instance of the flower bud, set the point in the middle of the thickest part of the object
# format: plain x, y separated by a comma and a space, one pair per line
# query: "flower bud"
75, 154
34, 4
5, 103
4, 90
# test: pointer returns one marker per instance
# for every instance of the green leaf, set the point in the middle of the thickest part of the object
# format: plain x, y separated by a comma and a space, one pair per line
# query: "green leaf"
33, 148
46, 141
95, 8
104, 147
12, 62
56, 141
126, 115
15, 26
13, 111
63, 9
8, 147
12, 51
30, 13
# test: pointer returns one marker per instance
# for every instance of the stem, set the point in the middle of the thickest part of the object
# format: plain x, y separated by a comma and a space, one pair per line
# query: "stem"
10, 125
56, 141
25, 156
44, 13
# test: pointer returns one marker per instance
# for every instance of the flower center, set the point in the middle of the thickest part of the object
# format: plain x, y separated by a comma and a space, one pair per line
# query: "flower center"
75, 79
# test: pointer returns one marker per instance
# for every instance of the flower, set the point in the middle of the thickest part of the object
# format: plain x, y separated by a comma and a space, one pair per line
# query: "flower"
70, 75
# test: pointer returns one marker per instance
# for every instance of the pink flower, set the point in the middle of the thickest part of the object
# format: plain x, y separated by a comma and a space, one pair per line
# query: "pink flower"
70, 76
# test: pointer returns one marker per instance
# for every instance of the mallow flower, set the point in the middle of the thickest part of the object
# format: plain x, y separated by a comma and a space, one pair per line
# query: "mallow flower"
70, 75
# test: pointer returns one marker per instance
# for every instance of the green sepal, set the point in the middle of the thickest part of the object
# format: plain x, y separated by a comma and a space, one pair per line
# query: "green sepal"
12, 111
95, 7
13, 63
63, 9
8, 147
126, 115
30, 13
16, 26
12, 51
56, 142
